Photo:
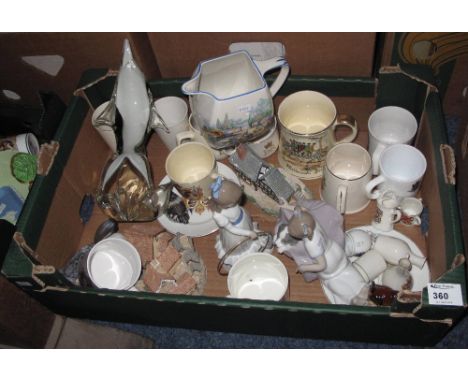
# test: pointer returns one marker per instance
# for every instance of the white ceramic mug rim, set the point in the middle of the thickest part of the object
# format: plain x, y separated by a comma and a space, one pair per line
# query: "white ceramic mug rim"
372, 127
289, 97
172, 153
406, 147
178, 100
93, 251
353, 145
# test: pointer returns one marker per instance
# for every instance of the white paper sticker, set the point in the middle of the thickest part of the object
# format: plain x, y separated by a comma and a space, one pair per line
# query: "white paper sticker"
445, 294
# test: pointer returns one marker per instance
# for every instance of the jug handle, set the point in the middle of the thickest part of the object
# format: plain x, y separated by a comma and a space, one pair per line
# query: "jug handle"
273, 63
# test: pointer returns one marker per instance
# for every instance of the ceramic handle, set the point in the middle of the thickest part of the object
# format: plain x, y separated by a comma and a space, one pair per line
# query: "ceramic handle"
416, 220
341, 199
396, 216
185, 136
274, 63
371, 185
376, 157
348, 121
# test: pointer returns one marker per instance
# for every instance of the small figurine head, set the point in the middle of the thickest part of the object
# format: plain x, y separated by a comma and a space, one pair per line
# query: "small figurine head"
301, 224
225, 193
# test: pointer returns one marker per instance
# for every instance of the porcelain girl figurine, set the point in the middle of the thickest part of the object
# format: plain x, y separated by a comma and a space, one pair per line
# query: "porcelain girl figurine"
329, 260
234, 222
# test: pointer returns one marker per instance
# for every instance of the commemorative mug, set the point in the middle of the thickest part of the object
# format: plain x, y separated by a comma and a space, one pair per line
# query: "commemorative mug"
346, 171
169, 118
387, 126
402, 168
308, 121
192, 168
266, 145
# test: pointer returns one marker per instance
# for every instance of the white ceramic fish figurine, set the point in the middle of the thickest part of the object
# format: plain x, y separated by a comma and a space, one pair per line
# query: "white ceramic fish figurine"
133, 104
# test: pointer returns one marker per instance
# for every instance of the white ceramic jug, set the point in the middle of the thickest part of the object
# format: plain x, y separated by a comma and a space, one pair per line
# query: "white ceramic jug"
231, 101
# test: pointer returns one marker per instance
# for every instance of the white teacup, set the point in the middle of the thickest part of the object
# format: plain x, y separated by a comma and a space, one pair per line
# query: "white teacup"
169, 118
387, 126
114, 263
192, 167
402, 168
266, 145
258, 276
411, 209
346, 172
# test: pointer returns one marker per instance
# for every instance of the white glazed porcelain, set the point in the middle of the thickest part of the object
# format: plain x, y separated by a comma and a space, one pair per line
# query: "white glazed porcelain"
387, 126
308, 121
398, 277
387, 213
266, 145
411, 209
402, 168
258, 276
114, 263
357, 242
231, 101
346, 171
370, 265
394, 249
173, 111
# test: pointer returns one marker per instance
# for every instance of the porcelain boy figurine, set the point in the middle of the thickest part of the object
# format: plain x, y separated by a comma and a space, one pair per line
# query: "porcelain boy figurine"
329, 260
234, 222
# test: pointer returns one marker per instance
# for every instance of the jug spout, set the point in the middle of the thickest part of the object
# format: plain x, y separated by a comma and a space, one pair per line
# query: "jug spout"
191, 86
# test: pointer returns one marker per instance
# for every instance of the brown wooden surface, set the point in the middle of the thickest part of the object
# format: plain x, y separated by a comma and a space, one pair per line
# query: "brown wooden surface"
216, 285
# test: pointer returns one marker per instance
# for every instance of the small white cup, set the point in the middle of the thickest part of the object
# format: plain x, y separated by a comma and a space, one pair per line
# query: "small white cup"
173, 111
411, 209
370, 265
387, 126
114, 263
258, 276
402, 168
266, 145
105, 130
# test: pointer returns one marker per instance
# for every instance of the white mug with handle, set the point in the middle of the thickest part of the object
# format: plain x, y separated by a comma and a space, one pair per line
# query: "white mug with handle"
387, 126
402, 168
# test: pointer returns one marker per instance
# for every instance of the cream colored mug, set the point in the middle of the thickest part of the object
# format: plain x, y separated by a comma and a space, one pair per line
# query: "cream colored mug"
192, 168
308, 121
347, 170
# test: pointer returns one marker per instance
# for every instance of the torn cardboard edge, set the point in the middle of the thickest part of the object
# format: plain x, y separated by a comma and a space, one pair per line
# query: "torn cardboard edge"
398, 70
46, 156
80, 92
448, 163
21, 242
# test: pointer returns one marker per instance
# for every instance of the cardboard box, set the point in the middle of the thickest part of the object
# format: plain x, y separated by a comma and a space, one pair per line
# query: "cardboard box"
320, 54
49, 230
70, 54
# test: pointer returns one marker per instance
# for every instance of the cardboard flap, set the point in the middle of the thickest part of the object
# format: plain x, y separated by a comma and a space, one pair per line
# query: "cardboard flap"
46, 157
448, 163
98, 90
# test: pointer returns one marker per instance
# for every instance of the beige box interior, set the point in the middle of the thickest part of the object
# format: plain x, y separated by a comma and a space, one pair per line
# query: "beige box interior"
63, 233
